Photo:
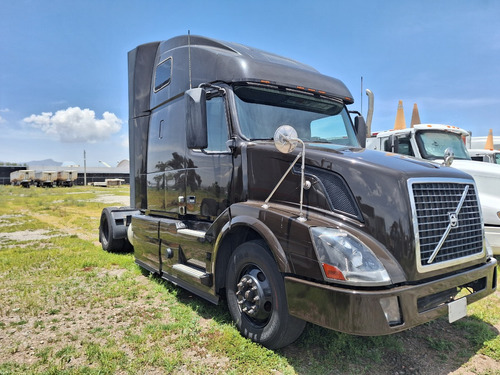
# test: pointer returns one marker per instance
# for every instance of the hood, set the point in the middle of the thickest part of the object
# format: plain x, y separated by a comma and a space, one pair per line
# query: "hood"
478, 168
357, 187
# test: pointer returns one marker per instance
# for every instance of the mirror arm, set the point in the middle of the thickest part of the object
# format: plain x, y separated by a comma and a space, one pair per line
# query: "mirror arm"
265, 205
303, 185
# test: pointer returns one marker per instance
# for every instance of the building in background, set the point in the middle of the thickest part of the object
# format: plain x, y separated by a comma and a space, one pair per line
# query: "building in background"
90, 174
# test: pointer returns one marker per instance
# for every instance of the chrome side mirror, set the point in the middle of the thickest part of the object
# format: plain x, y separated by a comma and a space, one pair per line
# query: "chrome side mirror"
285, 139
449, 156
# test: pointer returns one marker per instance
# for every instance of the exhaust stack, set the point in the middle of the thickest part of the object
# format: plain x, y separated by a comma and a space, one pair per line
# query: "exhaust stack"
369, 114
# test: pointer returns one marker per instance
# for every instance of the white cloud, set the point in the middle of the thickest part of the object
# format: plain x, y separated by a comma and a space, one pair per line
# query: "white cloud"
76, 125
124, 141
3, 110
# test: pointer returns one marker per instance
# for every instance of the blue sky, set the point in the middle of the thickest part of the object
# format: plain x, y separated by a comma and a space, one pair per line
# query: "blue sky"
63, 65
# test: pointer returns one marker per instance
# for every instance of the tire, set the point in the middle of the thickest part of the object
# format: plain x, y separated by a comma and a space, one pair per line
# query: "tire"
252, 272
106, 234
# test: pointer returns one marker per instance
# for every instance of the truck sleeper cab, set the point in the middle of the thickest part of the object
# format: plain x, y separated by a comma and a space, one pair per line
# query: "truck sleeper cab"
328, 232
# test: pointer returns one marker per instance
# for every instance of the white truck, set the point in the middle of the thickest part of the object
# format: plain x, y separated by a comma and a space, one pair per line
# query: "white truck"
45, 178
440, 143
66, 178
23, 177
487, 156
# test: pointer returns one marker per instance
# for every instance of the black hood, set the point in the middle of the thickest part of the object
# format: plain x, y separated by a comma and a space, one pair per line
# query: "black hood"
368, 189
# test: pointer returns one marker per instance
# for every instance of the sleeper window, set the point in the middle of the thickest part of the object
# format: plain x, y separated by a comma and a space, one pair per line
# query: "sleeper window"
163, 74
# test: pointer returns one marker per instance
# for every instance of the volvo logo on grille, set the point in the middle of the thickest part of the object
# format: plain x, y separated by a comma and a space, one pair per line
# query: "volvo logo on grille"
453, 216
453, 219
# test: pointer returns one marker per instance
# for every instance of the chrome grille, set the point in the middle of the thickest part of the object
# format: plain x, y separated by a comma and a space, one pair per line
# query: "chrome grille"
448, 220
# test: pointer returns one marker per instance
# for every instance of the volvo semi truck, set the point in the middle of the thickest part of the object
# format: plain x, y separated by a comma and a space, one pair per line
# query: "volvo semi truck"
249, 183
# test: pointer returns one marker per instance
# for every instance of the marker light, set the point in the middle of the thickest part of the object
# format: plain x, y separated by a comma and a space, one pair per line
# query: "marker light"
346, 259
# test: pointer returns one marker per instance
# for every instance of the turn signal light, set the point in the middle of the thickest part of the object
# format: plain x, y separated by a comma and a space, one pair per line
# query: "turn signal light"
333, 272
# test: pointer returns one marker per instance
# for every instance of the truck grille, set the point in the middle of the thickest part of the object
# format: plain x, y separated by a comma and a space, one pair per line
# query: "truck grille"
448, 221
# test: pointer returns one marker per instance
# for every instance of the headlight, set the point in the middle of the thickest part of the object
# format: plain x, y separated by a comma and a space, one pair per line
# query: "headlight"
346, 259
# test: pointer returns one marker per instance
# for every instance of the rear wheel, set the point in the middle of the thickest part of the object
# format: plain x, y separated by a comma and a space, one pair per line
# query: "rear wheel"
256, 297
106, 233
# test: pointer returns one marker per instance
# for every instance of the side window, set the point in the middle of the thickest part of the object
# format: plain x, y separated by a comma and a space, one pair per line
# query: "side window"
405, 146
163, 74
386, 144
217, 125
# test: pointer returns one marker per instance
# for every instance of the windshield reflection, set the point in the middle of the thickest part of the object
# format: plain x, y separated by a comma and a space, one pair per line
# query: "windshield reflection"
261, 110
433, 144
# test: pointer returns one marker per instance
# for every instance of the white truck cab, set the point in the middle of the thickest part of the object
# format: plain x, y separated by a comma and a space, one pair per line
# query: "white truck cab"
432, 142
487, 156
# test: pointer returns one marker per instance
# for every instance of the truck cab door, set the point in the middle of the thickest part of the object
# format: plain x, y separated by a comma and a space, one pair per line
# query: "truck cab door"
209, 171
186, 252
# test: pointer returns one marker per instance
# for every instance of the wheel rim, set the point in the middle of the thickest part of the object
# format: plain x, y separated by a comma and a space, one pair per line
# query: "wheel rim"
254, 295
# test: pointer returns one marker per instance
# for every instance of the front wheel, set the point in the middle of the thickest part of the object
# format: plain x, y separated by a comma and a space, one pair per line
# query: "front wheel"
256, 298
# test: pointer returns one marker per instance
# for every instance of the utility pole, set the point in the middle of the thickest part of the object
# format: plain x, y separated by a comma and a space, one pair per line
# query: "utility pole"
84, 168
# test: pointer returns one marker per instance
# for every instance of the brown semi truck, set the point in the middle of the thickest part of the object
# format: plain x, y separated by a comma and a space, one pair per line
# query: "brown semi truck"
291, 223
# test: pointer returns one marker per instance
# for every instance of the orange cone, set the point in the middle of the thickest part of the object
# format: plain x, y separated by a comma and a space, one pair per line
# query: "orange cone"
415, 117
400, 117
489, 141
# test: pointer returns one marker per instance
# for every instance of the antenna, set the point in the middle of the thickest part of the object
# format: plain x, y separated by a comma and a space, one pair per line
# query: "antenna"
189, 58
361, 95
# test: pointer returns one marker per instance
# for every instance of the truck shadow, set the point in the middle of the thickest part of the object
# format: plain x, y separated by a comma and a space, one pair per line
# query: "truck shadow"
434, 348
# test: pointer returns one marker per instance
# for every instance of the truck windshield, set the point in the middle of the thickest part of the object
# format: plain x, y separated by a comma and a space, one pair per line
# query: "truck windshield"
433, 144
261, 110
497, 158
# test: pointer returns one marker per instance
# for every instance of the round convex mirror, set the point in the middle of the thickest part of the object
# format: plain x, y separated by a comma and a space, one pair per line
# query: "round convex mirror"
285, 139
449, 156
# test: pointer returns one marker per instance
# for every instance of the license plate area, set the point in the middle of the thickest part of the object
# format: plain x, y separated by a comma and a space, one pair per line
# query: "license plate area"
457, 309
430, 302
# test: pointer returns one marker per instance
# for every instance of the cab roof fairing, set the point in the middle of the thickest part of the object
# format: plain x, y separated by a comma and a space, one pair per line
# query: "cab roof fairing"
231, 62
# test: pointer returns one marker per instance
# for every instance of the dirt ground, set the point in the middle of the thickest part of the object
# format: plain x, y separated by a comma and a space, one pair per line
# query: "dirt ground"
73, 325
23, 343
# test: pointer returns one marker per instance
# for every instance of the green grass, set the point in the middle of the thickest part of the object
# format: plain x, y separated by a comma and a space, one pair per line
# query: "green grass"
68, 307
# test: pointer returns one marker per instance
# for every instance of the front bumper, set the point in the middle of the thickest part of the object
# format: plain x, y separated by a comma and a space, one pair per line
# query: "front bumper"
360, 312
493, 236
